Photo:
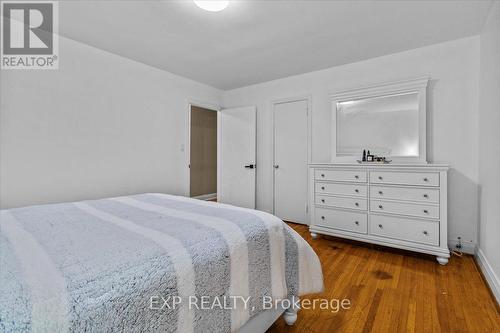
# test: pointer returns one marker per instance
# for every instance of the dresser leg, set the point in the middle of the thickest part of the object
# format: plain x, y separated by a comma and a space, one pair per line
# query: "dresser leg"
442, 260
314, 235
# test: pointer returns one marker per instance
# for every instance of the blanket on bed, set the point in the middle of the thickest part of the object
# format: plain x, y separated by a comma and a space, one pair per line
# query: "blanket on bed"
146, 263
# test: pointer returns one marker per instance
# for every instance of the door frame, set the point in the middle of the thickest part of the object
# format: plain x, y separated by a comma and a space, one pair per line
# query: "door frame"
308, 99
187, 148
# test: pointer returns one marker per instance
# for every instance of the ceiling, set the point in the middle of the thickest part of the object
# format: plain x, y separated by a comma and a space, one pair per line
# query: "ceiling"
256, 41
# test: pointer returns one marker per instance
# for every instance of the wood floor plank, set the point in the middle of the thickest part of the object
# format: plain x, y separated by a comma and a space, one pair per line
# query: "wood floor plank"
395, 291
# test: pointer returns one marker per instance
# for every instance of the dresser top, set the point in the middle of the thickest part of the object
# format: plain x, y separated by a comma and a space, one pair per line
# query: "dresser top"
443, 167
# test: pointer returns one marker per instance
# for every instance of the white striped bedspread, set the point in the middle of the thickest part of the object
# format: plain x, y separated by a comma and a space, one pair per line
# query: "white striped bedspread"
118, 264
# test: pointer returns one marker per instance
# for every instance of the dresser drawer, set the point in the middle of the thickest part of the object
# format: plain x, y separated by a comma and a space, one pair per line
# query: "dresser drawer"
411, 209
341, 189
342, 220
404, 193
405, 178
341, 175
352, 203
426, 232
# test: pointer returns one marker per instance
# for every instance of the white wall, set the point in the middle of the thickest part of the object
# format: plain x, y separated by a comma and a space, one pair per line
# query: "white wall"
452, 116
101, 125
489, 148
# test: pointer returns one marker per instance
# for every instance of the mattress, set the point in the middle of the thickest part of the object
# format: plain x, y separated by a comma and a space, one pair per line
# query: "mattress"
146, 263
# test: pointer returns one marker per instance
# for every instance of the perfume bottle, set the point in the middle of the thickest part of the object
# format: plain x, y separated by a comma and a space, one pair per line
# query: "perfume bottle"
369, 157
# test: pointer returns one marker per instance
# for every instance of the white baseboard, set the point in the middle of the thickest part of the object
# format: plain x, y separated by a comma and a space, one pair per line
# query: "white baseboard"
489, 274
210, 196
469, 248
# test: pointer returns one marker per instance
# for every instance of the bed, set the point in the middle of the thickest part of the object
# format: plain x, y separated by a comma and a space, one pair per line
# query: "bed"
149, 263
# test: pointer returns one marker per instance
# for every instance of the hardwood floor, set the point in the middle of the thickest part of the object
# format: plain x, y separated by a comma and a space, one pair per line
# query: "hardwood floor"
396, 291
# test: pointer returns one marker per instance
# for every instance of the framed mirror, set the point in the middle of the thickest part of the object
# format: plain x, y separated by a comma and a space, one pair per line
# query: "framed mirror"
388, 120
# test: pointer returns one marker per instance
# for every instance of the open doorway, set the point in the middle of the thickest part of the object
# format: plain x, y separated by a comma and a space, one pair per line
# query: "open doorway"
203, 153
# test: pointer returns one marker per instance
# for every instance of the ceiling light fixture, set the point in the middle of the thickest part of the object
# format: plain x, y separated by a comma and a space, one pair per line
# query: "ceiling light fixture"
212, 5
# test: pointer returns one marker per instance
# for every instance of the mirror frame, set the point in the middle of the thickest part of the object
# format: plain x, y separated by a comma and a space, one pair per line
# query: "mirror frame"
410, 86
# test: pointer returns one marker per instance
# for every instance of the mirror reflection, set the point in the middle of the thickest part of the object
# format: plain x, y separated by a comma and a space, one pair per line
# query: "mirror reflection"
385, 125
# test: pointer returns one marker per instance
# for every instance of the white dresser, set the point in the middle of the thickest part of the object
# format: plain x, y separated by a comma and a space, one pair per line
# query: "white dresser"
397, 205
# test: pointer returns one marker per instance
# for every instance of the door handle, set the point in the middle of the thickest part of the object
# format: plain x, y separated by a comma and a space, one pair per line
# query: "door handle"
276, 166
250, 166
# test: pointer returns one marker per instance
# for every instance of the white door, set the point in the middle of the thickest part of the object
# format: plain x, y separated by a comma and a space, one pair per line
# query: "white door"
237, 155
290, 161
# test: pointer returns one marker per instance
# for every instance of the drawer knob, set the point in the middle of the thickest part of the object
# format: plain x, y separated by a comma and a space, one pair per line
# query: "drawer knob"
380, 226
356, 176
356, 222
426, 196
323, 175
380, 206
323, 200
380, 192
356, 204
426, 179
380, 177
322, 187
426, 233
356, 190
426, 211
322, 217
